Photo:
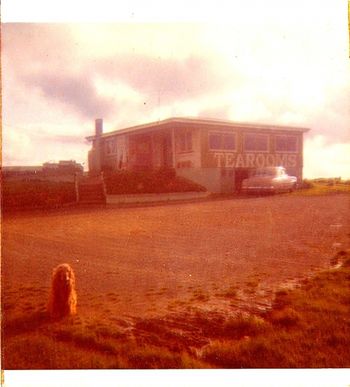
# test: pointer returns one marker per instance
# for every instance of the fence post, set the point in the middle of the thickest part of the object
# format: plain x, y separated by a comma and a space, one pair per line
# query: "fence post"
76, 182
104, 186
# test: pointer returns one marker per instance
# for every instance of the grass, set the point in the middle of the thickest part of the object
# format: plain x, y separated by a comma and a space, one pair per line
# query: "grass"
229, 293
308, 326
200, 296
319, 187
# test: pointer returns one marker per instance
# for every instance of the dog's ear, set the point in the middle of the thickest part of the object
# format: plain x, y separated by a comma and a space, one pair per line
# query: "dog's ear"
72, 277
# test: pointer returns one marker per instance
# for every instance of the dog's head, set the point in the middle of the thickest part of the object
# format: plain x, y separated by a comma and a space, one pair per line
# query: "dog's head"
63, 277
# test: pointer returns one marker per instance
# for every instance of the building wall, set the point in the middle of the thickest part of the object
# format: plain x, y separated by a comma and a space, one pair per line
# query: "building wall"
241, 157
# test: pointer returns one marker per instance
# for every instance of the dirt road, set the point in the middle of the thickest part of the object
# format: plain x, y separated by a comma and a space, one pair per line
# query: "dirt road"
149, 260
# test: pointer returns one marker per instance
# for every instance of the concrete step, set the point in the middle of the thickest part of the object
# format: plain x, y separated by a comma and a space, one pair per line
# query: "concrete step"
92, 197
92, 201
91, 194
91, 190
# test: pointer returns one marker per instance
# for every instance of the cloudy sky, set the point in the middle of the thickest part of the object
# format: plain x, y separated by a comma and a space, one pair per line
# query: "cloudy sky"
277, 62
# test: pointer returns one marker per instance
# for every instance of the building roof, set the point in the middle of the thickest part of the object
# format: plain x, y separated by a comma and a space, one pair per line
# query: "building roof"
201, 121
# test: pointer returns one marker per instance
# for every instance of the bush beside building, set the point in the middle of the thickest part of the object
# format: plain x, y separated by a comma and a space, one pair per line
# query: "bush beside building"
160, 181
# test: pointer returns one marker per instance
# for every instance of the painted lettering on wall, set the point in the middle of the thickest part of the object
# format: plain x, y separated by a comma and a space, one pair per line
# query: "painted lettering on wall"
252, 160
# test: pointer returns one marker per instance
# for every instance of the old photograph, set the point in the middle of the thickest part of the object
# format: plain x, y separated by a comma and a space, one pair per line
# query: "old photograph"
175, 192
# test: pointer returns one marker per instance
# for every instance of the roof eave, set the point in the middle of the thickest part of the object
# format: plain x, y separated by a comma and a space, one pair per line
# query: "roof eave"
208, 122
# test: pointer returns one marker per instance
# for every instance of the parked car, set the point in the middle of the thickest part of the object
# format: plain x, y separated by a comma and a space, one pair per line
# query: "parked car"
269, 180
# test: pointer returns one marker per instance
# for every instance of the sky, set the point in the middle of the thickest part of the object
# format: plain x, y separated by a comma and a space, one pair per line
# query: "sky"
273, 62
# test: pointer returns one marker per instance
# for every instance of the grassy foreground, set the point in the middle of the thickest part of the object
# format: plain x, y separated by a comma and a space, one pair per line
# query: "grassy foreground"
308, 326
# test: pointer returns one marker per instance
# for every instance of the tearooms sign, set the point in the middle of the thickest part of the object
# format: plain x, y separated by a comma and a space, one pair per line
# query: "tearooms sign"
251, 160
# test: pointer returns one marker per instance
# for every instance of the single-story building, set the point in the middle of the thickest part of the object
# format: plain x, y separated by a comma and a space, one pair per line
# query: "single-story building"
214, 153
63, 167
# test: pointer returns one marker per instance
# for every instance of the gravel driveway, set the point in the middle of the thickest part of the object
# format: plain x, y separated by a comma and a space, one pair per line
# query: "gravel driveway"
148, 260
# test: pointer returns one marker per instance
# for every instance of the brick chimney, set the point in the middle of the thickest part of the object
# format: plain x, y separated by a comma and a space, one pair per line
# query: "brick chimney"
98, 126
98, 150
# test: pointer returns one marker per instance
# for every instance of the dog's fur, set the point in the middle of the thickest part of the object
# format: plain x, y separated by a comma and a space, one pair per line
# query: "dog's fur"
63, 297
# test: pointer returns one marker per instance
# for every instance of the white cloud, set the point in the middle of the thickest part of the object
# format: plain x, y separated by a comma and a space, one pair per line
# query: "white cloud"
273, 62
16, 146
22, 147
323, 159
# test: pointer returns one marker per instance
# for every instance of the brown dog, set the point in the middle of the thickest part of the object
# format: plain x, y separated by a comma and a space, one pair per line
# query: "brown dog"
63, 297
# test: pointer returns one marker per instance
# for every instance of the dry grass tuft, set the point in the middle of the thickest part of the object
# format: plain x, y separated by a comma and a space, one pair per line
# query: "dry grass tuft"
285, 318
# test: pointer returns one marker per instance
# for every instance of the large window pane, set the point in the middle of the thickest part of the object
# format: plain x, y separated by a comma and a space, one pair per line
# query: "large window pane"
229, 142
286, 143
185, 141
222, 141
189, 141
111, 146
256, 142
215, 141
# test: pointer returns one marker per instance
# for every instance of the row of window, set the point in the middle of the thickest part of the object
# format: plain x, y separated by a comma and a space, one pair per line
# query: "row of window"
224, 142
141, 146
252, 142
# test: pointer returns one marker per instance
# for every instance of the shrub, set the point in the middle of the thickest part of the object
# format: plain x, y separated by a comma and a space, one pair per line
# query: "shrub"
307, 184
160, 181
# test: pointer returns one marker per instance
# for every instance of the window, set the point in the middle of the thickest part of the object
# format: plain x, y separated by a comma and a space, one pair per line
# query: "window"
286, 144
214, 141
222, 141
185, 141
111, 146
229, 142
256, 142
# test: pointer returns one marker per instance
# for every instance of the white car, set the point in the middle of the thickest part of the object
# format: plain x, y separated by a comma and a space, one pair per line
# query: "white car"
269, 180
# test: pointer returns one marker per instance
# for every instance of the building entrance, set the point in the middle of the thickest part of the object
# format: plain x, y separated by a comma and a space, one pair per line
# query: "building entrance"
240, 175
167, 155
